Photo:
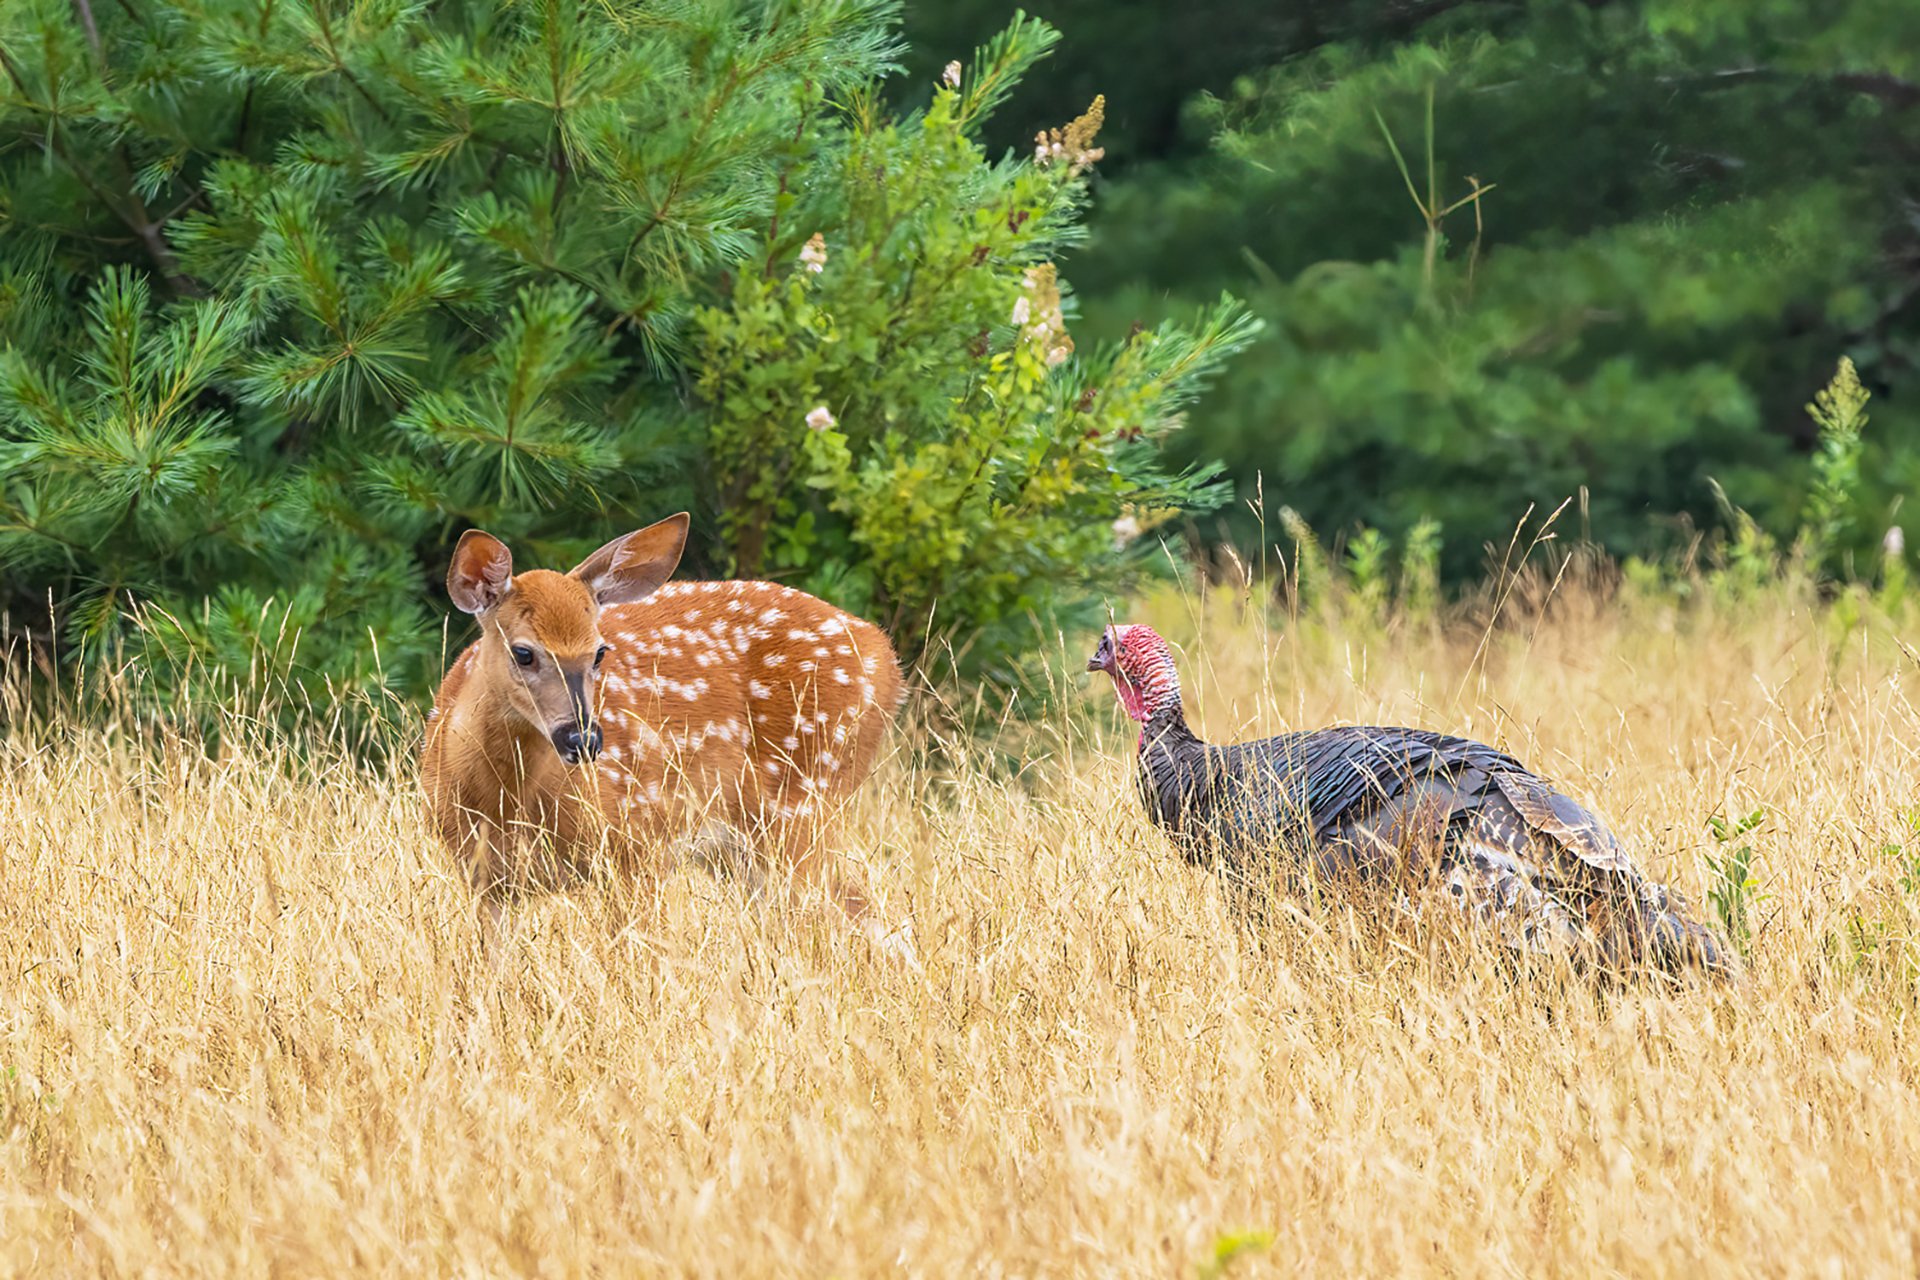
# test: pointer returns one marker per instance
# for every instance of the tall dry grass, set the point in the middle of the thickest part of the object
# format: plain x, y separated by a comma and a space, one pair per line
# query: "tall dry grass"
247, 1025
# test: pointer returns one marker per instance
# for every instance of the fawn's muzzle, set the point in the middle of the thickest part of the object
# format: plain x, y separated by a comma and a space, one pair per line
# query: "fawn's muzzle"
575, 743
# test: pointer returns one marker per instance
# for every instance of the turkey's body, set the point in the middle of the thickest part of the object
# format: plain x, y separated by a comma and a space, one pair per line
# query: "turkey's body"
1403, 809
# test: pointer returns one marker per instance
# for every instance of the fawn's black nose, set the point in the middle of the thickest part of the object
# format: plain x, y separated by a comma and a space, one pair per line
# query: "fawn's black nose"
576, 744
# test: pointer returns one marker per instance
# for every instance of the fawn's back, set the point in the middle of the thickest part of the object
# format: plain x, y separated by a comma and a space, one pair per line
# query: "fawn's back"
744, 701
758, 699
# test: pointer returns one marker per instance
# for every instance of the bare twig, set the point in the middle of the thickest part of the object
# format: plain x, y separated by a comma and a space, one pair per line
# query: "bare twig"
83, 9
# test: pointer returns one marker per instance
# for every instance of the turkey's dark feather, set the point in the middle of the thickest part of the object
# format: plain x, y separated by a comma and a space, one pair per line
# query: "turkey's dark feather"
1381, 803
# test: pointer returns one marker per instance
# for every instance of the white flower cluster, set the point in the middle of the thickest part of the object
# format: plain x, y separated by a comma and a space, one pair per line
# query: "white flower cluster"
1073, 145
1037, 316
821, 418
951, 76
813, 254
1125, 530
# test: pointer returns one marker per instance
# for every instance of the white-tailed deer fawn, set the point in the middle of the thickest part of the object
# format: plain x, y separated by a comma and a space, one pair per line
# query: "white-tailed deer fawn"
606, 713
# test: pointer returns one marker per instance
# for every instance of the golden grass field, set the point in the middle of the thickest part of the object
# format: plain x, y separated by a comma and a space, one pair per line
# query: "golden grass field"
247, 1025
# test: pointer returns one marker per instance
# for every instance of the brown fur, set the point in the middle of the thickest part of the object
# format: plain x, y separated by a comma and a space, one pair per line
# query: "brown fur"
742, 708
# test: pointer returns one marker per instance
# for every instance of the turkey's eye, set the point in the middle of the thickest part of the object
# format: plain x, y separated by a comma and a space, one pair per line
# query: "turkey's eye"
600, 656
523, 655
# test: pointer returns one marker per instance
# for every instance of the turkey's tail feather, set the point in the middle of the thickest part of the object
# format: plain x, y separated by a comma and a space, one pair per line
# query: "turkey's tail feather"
1669, 935
1658, 928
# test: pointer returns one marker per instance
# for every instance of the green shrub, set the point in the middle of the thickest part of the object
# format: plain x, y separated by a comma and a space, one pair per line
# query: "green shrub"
1839, 414
1732, 889
897, 423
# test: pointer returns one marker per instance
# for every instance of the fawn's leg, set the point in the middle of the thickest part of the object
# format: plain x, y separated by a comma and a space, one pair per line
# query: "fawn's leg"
803, 848
481, 851
726, 853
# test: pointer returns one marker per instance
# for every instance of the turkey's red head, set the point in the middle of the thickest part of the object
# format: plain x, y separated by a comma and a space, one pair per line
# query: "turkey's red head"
1141, 665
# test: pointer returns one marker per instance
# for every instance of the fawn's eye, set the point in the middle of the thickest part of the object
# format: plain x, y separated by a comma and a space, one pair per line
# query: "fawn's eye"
523, 655
600, 655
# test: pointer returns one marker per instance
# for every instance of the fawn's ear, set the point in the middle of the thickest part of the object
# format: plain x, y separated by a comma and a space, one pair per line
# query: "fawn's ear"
481, 572
635, 566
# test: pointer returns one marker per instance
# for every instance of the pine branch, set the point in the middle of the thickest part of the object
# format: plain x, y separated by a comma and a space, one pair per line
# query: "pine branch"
1895, 92
339, 64
132, 213
246, 101
1890, 89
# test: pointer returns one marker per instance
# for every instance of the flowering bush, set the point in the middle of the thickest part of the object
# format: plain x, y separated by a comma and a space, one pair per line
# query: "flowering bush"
895, 411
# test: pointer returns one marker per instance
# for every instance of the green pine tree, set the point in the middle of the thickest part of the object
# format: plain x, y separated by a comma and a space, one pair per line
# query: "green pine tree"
1667, 220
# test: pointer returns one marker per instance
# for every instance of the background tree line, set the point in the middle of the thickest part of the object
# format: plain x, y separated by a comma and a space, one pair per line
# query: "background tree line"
1690, 211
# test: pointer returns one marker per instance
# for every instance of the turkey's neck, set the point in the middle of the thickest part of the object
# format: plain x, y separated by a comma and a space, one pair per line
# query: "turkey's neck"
1166, 731
1173, 768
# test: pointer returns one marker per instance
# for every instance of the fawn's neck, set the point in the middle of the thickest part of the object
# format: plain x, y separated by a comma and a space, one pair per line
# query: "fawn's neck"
493, 744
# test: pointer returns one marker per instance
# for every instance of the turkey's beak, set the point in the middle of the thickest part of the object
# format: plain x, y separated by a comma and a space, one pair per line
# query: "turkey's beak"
1102, 659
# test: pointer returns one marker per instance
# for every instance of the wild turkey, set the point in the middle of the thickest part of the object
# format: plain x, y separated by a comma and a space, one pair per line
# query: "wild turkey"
1389, 808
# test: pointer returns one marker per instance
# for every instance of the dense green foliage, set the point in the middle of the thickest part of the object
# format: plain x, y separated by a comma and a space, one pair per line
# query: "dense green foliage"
291, 291
1690, 211
920, 441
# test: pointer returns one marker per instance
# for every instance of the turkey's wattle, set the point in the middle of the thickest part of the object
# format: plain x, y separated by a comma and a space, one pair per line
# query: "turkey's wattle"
1397, 809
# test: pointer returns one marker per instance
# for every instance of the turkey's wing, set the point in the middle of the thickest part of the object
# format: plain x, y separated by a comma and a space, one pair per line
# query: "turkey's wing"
1568, 825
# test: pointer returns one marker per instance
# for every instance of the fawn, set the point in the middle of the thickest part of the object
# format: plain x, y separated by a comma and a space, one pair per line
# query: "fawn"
607, 713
